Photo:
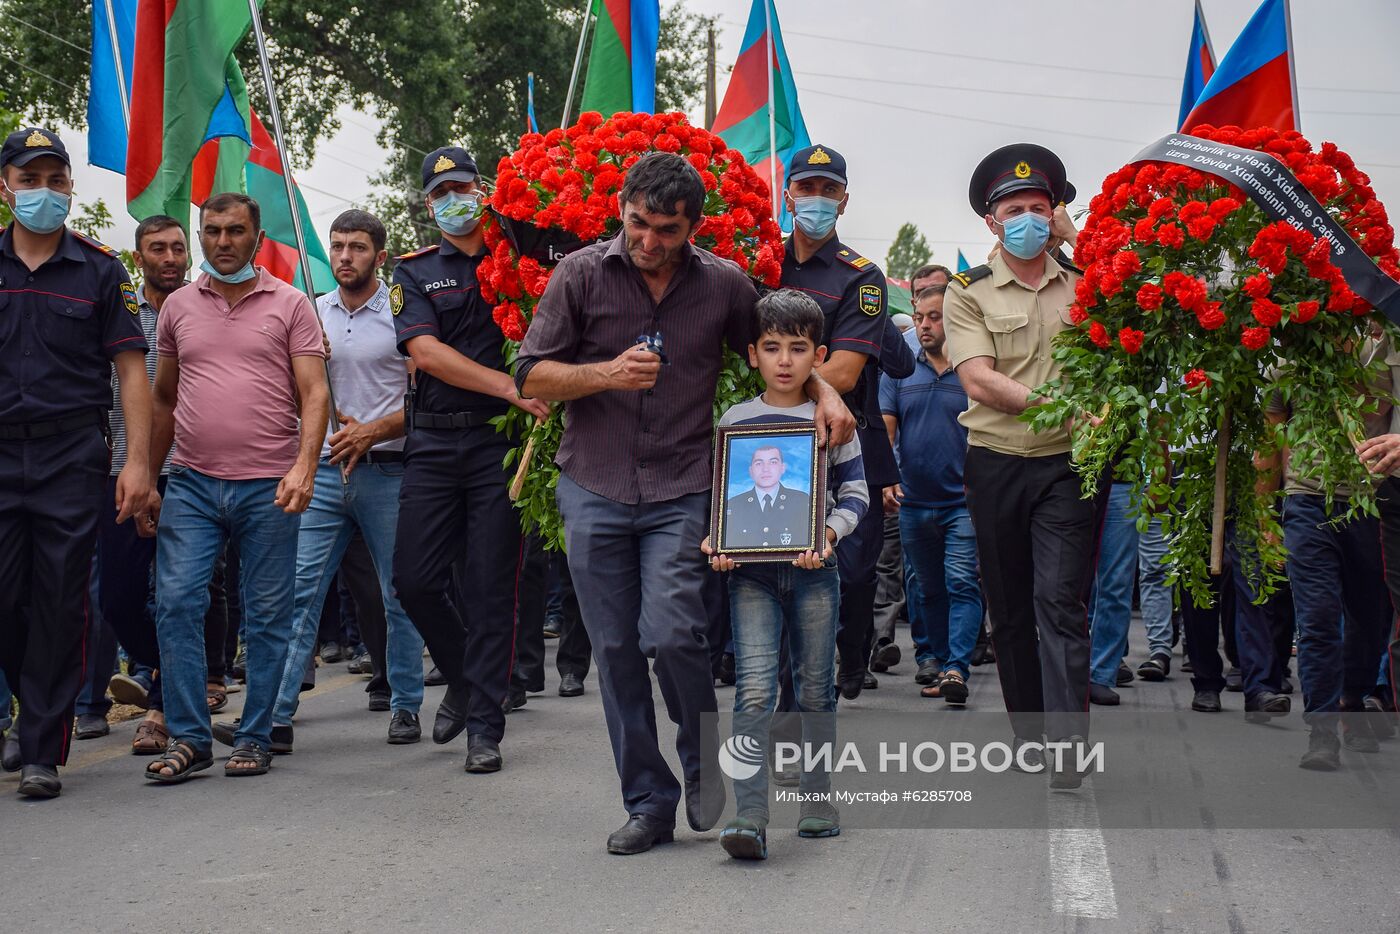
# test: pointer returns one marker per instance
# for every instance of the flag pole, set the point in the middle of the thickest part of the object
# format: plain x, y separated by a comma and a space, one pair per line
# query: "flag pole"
578, 62
117, 64
772, 126
1292, 71
275, 113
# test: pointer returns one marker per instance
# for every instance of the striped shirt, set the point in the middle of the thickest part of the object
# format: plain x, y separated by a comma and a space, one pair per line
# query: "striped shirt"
848, 496
652, 445
115, 419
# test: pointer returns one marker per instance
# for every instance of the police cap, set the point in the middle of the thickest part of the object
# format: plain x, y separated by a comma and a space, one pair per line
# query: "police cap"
820, 161
1018, 167
25, 145
448, 164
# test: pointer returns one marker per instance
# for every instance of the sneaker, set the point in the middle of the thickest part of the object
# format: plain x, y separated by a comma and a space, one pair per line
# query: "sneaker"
885, 656
746, 836
331, 653
819, 819
954, 687
1125, 675
1155, 668
1323, 753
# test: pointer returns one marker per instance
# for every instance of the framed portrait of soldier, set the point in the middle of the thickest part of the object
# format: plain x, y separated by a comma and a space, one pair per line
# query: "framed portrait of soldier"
769, 499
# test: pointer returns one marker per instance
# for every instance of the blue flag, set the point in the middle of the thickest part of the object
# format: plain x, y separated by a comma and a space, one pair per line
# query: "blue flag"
106, 125
1200, 65
962, 263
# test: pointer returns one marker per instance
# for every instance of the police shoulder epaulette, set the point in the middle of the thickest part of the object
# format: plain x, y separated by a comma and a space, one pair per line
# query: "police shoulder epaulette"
425, 250
97, 245
970, 276
852, 258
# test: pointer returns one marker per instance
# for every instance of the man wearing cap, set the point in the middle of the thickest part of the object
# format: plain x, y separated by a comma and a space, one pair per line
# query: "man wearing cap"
454, 487
860, 340
68, 314
1033, 528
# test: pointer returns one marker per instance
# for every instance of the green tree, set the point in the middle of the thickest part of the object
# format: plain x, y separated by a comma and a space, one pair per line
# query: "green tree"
907, 253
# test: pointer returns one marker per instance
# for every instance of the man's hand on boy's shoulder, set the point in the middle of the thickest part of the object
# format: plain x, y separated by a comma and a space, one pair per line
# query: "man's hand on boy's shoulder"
809, 560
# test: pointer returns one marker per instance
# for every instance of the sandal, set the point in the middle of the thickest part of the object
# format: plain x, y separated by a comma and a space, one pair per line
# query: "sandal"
248, 752
183, 759
216, 697
150, 739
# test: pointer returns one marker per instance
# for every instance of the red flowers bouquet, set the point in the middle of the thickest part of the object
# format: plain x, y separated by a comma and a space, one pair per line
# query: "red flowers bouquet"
557, 192
1195, 307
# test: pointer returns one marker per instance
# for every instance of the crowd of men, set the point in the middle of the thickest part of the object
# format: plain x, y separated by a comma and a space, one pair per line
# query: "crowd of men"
219, 474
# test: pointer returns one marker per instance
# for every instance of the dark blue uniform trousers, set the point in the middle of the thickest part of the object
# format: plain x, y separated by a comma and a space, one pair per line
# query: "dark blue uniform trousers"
638, 573
455, 520
50, 498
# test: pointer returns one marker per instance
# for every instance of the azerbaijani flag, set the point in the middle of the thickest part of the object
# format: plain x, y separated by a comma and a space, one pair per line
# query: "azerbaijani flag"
1254, 85
743, 115
962, 263
185, 88
622, 59
1200, 65
261, 177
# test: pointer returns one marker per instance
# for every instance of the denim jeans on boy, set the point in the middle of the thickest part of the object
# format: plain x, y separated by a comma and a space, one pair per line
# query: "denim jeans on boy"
771, 603
1154, 594
1111, 602
201, 513
371, 501
941, 548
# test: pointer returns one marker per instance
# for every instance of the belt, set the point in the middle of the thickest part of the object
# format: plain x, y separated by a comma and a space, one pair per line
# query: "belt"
30, 430
454, 419
382, 457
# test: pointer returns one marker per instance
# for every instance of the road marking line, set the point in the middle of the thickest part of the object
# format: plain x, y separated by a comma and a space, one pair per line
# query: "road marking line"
1081, 884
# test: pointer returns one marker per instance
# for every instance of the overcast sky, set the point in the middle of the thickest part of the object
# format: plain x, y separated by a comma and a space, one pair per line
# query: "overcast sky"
915, 92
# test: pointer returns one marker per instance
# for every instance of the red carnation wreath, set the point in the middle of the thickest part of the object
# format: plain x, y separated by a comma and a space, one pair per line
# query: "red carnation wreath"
1195, 308
557, 192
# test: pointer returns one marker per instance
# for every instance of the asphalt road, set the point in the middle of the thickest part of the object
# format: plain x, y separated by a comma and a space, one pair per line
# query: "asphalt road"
351, 834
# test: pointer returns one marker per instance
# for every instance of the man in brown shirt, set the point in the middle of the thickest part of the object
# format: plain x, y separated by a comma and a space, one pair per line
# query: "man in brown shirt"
635, 459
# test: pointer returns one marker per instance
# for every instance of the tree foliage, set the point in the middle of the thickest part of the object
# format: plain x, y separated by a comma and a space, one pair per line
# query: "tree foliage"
907, 253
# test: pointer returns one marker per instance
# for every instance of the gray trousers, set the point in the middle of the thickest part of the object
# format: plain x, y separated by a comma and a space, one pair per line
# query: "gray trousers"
638, 573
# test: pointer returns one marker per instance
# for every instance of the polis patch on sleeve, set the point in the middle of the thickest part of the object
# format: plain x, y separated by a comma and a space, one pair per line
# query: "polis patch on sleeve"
396, 298
870, 299
129, 297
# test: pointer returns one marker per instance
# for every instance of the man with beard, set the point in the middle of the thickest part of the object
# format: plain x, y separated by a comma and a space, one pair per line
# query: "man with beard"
241, 358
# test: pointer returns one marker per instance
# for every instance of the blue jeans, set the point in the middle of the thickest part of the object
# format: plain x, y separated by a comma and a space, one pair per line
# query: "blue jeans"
942, 550
201, 514
1153, 592
769, 603
6, 703
371, 501
1111, 603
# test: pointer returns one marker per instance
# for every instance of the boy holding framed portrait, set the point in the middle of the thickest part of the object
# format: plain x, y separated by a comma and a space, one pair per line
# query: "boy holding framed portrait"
780, 505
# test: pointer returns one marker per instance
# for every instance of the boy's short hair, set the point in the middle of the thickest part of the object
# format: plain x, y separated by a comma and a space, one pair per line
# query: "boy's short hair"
788, 311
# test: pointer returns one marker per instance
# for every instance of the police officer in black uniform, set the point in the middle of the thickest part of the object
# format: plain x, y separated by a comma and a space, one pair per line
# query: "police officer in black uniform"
455, 518
68, 313
851, 292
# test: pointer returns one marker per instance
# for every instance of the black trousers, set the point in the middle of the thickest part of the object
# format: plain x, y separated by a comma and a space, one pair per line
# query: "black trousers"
454, 514
1389, 497
1037, 539
362, 580
50, 499
856, 557
573, 653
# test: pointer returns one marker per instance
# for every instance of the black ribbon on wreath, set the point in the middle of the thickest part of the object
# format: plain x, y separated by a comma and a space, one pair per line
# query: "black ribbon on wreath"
545, 245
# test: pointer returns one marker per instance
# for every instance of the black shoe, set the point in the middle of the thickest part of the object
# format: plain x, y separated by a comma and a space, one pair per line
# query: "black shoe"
885, 656
39, 781
745, 837
1065, 774
869, 682
515, 699
404, 728
1186, 666
1266, 705
1357, 734
434, 678
1206, 701
1034, 757
361, 664
639, 834
9, 751
1103, 695
850, 684
91, 726
1324, 752
1381, 722
704, 803
984, 654
726, 669
1234, 680
224, 731
1155, 668
379, 702
331, 653
570, 685
553, 627
788, 778
1125, 675
451, 716
928, 672
483, 754
1287, 686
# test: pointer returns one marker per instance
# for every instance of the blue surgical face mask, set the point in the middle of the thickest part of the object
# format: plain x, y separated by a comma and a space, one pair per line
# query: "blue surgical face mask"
815, 216
457, 214
41, 210
243, 273
1025, 235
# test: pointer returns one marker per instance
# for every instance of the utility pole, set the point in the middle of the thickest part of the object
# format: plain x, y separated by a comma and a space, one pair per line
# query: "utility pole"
711, 107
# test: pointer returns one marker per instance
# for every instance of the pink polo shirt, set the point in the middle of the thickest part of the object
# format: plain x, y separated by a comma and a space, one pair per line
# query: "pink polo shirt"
236, 408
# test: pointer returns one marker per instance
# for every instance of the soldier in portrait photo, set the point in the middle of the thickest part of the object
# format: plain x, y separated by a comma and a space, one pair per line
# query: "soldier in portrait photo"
768, 514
